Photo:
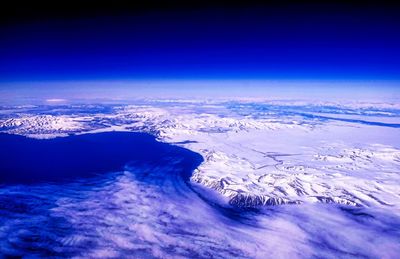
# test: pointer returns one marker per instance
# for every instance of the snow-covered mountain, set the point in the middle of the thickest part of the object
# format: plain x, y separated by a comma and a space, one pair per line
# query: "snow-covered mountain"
255, 154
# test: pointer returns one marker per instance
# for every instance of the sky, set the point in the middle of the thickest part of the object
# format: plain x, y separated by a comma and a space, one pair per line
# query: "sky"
253, 42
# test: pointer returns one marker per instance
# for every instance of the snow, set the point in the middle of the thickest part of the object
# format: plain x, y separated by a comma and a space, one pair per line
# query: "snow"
321, 187
258, 154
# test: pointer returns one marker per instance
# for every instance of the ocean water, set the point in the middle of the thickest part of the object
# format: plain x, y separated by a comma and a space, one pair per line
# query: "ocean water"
127, 195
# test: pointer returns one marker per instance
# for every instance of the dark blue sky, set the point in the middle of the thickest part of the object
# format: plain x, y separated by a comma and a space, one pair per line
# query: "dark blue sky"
250, 42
